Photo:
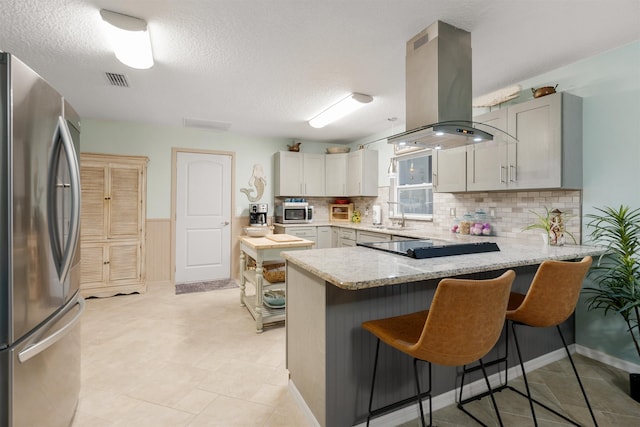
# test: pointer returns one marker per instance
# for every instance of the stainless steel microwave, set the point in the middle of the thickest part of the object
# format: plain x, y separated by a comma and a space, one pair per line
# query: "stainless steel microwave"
294, 213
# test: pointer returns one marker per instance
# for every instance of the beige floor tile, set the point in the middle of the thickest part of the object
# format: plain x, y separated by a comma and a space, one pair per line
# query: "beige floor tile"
195, 401
230, 412
193, 360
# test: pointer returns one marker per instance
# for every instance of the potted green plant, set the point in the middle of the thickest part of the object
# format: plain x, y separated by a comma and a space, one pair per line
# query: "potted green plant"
552, 222
617, 272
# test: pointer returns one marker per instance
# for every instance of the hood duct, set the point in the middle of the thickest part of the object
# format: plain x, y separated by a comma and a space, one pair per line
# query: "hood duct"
438, 91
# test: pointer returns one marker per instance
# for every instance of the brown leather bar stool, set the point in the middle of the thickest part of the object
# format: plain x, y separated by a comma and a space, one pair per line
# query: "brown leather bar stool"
550, 300
446, 334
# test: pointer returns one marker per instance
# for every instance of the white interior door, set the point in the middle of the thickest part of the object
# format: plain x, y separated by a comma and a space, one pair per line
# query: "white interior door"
203, 217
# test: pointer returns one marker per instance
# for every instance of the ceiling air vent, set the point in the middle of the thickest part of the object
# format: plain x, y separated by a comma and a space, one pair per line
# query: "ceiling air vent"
206, 124
116, 79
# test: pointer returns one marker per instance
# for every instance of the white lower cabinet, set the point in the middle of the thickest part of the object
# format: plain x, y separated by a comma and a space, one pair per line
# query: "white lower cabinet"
335, 236
306, 232
346, 237
324, 237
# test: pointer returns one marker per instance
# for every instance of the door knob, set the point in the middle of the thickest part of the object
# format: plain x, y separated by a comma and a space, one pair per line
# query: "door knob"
224, 223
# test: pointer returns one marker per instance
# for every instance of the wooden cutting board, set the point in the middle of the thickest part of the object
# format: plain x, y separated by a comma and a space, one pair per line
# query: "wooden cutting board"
283, 238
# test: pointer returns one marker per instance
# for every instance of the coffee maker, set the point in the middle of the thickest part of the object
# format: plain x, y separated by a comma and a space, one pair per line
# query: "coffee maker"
258, 214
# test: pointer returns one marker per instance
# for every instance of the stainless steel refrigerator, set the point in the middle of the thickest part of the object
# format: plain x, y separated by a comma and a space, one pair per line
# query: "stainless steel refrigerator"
40, 306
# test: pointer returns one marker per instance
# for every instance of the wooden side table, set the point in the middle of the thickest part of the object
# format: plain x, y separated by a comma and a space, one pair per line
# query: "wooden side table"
263, 249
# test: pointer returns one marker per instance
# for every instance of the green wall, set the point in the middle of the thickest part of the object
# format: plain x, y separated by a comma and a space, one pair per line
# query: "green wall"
609, 84
156, 142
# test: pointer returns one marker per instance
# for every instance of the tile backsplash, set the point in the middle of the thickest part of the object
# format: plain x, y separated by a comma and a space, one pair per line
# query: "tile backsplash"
511, 209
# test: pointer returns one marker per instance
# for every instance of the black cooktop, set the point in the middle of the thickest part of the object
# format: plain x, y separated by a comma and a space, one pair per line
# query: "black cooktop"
431, 248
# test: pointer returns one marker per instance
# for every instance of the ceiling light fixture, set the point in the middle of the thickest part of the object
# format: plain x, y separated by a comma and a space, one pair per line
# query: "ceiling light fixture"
129, 38
340, 109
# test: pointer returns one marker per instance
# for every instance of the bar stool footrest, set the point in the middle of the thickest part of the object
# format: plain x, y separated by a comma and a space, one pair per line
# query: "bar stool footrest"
564, 417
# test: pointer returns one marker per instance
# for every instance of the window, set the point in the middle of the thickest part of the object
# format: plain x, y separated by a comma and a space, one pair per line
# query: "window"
412, 187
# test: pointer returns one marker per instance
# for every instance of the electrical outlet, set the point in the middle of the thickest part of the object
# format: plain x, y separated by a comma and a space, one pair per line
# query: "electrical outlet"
452, 212
492, 212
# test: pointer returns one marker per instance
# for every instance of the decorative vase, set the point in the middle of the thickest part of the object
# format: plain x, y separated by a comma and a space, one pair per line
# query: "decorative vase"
556, 228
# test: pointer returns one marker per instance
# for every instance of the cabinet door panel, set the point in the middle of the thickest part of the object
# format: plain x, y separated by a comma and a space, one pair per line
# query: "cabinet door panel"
336, 175
125, 203
535, 161
487, 166
313, 167
449, 170
124, 261
290, 173
92, 263
93, 215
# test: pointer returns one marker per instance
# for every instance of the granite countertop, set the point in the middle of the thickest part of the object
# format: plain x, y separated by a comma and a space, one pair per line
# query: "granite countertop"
356, 268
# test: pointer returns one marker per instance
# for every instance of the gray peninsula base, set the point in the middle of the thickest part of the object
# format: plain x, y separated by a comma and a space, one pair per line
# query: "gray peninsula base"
330, 357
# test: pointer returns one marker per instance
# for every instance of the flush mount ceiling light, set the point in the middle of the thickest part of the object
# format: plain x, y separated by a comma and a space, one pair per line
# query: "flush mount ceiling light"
340, 109
129, 38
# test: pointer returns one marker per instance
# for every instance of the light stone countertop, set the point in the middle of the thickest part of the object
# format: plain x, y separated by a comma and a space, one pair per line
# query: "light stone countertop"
356, 268
266, 243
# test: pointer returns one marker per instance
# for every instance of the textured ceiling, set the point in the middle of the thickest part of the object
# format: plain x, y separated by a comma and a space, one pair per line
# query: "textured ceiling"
267, 66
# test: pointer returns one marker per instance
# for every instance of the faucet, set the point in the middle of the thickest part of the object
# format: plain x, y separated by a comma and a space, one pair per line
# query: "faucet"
402, 222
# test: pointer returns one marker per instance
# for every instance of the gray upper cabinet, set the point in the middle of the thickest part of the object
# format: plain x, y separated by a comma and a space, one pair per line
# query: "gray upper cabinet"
319, 175
299, 174
362, 173
449, 170
487, 162
548, 154
336, 175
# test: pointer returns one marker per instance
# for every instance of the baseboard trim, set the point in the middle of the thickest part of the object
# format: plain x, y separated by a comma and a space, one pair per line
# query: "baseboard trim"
607, 359
306, 411
409, 413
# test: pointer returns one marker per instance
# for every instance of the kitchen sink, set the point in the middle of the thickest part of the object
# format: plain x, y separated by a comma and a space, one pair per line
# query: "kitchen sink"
394, 227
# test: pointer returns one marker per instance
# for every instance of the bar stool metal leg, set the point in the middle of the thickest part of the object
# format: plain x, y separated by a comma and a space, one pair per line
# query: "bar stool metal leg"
373, 379
489, 392
419, 394
526, 383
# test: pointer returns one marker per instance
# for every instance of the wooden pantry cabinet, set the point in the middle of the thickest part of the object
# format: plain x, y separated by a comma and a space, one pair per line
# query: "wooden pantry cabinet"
112, 226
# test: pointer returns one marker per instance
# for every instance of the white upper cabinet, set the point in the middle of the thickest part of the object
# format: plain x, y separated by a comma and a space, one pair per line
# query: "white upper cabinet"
336, 175
362, 173
299, 174
548, 153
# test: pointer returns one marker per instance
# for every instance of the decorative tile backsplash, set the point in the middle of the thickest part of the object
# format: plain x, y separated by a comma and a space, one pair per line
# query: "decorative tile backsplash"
511, 210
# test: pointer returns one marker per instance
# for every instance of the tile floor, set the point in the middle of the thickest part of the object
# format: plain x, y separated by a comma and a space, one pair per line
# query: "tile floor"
161, 359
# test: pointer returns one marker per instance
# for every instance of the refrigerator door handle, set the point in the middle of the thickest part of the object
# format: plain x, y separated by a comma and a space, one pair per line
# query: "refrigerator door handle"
38, 345
64, 258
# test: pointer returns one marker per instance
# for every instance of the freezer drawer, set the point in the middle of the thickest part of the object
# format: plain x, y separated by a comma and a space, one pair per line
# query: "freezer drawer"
46, 380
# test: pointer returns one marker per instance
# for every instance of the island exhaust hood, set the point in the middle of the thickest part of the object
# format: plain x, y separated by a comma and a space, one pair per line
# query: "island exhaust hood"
438, 91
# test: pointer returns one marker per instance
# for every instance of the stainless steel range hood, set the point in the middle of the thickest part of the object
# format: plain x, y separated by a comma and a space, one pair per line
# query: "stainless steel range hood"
438, 90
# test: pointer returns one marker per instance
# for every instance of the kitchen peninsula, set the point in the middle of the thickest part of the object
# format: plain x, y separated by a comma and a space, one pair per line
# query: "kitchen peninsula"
330, 292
